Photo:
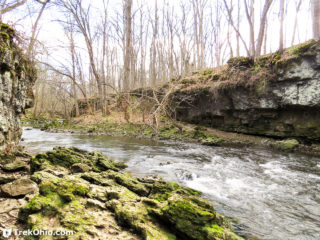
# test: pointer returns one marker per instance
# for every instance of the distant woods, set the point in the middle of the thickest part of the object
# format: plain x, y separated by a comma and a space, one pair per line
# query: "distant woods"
116, 46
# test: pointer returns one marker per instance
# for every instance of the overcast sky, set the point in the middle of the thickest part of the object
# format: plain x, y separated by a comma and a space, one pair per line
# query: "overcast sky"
52, 35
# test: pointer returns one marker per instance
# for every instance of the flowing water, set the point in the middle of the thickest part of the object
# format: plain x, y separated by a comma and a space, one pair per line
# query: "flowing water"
273, 196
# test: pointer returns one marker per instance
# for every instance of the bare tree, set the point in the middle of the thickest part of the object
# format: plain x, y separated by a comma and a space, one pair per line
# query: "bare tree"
237, 30
81, 16
298, 6
263, 21
315, 6
249, 10
281, 24
9, 6
127, 47
30, 51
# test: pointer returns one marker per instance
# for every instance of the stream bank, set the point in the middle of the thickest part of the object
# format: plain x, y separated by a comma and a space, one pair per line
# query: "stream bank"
172, 130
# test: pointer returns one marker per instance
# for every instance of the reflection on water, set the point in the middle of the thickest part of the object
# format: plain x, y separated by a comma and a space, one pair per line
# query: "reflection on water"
273, 196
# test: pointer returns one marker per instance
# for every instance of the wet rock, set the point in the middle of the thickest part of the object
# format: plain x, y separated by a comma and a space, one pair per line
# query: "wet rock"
80, 168
19, 188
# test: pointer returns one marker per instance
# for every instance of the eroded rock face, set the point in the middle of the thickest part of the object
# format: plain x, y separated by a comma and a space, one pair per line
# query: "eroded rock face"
16, 78
285, 105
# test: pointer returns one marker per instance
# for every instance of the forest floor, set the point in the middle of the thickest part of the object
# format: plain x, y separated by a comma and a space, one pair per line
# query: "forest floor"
116, 125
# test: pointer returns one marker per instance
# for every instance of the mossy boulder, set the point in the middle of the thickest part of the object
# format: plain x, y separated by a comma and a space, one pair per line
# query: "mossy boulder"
212, 141
67, 157
194, 218
287, 145
15, 166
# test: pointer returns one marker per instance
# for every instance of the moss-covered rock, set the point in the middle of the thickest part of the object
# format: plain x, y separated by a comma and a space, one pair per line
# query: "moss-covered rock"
287, 145
67, 157
194, 218
238, 62
104, 202
16, 166
212, 141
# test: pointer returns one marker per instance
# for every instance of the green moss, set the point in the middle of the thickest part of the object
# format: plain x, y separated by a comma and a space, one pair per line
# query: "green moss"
147, 132
207, 72
109, 164
287, 145
212, 141
240, 62
215, 228
6, 158
286, 63
187, 217
170, 132
66, 157
15, 166
303, 49
48, 205
126, 180
6, 32
67, 190
188, 81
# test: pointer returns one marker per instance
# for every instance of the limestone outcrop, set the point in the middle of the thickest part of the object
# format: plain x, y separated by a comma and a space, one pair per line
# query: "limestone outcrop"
16, 78
277, 95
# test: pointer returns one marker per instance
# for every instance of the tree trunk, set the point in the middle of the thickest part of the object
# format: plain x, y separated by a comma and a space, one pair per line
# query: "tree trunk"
316, 18
127, 49
296, 22
265, 10
281, 24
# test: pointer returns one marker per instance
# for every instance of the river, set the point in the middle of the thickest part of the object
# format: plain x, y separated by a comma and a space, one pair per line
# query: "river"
272, 195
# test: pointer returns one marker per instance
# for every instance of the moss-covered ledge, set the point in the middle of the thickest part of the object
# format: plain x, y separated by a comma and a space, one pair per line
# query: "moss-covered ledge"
98, 200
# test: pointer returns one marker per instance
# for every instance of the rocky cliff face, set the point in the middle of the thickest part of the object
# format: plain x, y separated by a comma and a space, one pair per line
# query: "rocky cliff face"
16, 78
277, 95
